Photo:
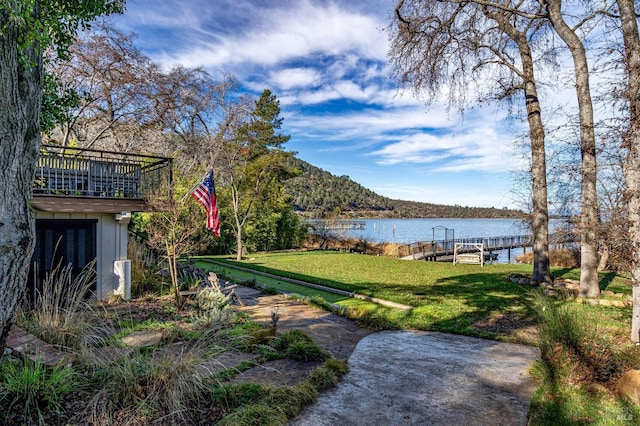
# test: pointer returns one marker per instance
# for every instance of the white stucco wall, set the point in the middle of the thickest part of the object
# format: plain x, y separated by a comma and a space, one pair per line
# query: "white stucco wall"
111, 246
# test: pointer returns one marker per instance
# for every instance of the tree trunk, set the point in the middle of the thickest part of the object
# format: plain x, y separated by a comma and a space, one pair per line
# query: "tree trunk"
20, 104
604, 258
540, 213
589, 285
173, 272
239, 243
540, 222
632, 144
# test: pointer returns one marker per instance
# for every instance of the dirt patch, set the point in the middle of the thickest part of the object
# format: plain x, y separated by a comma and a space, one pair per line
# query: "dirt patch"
512, 325
282, 372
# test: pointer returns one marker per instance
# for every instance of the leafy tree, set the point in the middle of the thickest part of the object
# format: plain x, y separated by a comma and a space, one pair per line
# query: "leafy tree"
27, 29
252, 159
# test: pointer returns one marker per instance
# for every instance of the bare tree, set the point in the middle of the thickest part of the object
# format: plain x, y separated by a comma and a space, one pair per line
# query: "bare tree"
125, 101
113, 82
631, 141
455, 44
589, 217
172, 230
197, 110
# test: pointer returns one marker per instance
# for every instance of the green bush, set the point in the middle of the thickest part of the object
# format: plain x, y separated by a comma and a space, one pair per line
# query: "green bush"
234, 395
297, 345
255, 415
212, 307
290, 400
327, 376
36, 387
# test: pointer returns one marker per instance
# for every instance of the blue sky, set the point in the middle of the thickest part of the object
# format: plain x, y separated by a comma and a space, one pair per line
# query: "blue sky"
326, 62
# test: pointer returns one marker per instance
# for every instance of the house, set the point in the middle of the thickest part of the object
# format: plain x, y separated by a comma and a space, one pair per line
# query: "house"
82, 202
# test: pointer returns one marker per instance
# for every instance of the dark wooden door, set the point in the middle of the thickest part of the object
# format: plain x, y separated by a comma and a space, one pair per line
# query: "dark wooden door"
59, 243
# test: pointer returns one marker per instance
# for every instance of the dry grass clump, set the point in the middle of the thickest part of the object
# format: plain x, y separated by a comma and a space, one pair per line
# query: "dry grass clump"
63, 311
355, 245
563, 258
147, 387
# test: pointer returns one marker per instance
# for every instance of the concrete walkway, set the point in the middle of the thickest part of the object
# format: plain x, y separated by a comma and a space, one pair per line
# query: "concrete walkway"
428, 378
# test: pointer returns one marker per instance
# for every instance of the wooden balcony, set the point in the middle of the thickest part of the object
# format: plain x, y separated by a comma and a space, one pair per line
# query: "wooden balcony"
87, 180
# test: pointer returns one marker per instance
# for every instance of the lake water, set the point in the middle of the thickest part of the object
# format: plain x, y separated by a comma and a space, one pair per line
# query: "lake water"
402, 231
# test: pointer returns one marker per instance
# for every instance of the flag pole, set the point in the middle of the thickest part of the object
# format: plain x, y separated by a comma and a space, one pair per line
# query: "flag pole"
194, 187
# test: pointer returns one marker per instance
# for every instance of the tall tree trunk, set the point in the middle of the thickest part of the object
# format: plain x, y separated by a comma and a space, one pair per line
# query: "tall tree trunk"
540, 213
540, 222
589, 285
20, 104
239, 242
632, 144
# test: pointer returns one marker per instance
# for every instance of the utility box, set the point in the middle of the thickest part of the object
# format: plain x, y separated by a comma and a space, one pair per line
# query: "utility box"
122, 271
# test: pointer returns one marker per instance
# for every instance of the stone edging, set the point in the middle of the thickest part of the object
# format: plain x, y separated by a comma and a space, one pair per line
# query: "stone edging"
382, 302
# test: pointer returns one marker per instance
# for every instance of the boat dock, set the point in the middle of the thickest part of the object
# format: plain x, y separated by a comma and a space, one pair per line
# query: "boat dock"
443, 250
340, 225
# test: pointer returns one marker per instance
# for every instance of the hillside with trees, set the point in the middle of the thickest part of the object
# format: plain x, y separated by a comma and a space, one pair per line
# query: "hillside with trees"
318, 193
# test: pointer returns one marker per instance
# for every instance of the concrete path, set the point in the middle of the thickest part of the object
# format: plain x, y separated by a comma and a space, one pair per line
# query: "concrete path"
428, 378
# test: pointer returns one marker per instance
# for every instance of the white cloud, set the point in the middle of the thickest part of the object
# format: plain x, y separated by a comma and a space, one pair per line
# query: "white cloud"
479, 149
371, 123
295, 78
284, 32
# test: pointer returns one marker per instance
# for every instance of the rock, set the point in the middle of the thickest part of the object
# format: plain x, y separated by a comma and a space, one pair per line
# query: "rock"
140, 339
629, 385
572, 285
521, 279
597, 388
550, 292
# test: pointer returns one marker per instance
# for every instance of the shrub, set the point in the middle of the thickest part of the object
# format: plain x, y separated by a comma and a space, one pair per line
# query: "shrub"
212, 307
36, 387
234, 395
563, 258
255, 415
297, 345
290, 400
327, 376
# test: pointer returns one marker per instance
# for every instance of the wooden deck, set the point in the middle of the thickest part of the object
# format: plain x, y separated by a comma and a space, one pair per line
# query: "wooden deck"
443, 250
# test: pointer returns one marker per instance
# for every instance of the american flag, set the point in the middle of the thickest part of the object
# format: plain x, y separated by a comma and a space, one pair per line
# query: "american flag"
205, 194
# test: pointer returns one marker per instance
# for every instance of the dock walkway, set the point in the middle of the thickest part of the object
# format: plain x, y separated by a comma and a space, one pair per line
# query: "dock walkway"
442, 250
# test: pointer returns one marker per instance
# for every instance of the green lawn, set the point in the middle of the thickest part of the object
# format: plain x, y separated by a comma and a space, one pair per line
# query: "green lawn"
445, 297
467, 299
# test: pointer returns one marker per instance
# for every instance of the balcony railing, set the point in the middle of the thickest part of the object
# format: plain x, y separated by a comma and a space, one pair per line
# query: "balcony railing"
78, 172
